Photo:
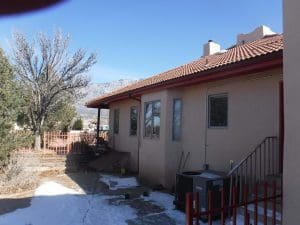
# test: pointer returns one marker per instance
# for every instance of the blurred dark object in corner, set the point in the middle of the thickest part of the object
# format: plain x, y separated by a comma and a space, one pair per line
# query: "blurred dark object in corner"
10, 7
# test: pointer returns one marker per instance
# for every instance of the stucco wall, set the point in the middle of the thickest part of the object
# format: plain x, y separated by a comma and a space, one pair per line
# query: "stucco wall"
291, 171
123, 141
253, 104
252, 115
173, 149
152, 151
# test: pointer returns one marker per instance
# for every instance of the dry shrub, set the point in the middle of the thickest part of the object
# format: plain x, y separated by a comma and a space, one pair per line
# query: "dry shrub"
19, 174
88, 138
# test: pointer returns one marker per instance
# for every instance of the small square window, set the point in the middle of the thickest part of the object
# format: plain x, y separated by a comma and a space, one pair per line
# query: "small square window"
218, 110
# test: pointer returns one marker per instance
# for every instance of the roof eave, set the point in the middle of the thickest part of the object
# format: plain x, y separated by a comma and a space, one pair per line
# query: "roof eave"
253, 65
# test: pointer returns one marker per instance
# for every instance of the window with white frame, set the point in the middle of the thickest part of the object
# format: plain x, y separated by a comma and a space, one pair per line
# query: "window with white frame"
177, 119
133, 120
116, 120
152, 119
218, 111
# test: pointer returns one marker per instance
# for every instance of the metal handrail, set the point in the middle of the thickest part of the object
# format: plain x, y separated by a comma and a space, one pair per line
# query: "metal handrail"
261, 162
248, 156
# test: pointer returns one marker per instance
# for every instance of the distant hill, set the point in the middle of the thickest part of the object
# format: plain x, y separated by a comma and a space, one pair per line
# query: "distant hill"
94, 90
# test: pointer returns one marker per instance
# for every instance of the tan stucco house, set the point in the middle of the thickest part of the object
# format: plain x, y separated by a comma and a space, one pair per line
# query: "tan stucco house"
208, 113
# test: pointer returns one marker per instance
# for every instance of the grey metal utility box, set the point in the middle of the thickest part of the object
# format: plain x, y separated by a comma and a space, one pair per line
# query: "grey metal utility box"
202, 182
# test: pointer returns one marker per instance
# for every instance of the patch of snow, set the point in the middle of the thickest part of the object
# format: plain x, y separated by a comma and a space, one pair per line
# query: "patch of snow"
56, 204
51, 188
165, 201
209, 175
115, 183
48, 208
260, 211
101, 212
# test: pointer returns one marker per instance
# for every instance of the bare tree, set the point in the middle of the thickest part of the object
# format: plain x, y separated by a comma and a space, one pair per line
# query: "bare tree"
48, 74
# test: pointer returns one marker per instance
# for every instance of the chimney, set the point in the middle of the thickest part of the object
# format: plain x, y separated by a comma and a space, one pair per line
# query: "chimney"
211, 48
259, 33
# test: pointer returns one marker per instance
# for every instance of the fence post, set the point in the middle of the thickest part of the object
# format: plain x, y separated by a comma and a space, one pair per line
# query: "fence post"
245, 205
234, 205
248, 218
255, 203
44, 141
274, 202
197, 201
48, 139
265, 203
189, 208
210, 207
222, 207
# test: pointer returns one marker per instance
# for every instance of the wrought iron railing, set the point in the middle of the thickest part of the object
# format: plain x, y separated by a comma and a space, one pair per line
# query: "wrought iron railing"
255, 167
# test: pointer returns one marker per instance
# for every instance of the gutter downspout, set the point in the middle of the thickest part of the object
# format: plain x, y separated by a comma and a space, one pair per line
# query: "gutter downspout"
205, 165
139, 130
98, 124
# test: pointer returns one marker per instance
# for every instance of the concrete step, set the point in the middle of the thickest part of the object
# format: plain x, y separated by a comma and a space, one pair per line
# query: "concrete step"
54, 161
50, 161
53, 157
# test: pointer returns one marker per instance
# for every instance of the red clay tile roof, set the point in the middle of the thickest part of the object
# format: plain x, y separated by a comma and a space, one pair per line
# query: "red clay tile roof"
235, 54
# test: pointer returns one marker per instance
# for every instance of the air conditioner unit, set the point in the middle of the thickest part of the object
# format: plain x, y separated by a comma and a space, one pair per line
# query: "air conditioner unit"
202, 182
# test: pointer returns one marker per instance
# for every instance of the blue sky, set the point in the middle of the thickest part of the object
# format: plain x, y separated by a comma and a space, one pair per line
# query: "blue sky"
139, 38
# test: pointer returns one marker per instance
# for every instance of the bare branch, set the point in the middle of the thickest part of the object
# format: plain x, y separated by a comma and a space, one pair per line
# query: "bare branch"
48, 73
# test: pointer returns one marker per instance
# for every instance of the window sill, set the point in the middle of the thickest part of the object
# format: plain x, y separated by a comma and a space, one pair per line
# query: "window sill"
216, 128
151, 138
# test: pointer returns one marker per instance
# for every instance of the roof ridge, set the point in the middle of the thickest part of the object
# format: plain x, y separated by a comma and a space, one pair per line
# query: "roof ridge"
266, 45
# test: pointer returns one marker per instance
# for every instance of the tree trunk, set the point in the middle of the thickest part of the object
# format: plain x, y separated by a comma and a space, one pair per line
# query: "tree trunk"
37, 134
37, 142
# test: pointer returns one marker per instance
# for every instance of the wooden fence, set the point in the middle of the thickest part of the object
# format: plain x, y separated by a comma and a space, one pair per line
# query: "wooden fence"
259, 208
71, 142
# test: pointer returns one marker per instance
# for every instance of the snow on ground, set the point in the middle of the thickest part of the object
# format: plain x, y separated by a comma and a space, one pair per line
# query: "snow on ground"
260, 211
51, 188
166, 201
115, 182
51, 203
56, 204
101, 212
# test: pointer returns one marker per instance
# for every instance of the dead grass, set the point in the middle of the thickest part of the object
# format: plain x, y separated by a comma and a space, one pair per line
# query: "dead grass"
17, 175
